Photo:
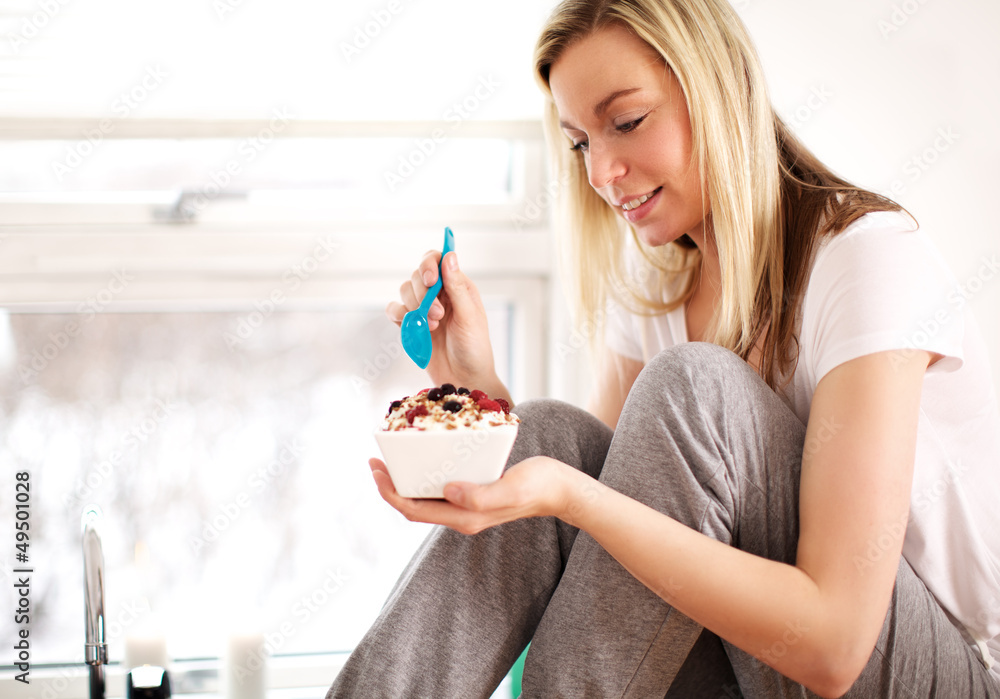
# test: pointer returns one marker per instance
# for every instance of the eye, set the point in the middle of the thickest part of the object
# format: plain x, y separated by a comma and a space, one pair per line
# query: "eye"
580, 147
630, 126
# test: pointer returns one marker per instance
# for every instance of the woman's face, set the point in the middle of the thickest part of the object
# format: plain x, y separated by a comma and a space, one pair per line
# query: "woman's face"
625, 111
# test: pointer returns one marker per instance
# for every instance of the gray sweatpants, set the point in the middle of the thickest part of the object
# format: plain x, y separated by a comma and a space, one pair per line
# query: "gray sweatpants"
700, 438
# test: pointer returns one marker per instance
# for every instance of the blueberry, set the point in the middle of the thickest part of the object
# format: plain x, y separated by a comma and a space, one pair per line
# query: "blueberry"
447, 389
463, 391
452, 406
395, 404
435, 394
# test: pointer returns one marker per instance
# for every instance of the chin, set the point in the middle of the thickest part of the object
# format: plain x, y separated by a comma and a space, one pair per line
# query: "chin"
655, 238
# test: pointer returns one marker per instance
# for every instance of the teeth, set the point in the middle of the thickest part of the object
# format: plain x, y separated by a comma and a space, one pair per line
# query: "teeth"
636, 202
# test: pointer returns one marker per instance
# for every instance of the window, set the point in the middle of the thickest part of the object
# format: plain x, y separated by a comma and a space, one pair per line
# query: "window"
202, 222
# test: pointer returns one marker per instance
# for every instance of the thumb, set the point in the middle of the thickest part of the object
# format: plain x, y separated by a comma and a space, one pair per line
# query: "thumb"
462, 293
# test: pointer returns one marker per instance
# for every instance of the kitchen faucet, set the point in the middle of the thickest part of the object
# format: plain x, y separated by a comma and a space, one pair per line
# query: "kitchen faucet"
96, 647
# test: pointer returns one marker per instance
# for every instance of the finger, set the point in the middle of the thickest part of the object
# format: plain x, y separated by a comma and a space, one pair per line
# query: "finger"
417, 290
420, 280
462, 293
384, 483
377, 465
395, 311
412, 294
428, 269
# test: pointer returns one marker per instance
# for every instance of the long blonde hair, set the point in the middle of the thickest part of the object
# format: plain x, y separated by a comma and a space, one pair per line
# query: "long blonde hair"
767, 193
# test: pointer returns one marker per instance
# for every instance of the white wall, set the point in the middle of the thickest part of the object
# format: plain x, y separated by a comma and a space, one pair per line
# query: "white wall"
874, 84
871, 86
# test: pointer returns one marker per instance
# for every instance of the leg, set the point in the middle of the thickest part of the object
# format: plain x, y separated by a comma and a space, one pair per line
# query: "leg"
466, 606
705, 440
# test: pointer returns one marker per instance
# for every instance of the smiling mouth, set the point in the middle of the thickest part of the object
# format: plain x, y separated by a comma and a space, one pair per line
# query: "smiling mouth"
636, 203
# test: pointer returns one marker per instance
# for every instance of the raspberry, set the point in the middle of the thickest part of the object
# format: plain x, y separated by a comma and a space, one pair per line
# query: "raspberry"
447, 389
419, 411
487, 404
452, 406
435, 394
505, 405
476, 395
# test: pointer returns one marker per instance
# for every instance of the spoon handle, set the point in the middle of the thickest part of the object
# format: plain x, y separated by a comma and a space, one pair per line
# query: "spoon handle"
432, 292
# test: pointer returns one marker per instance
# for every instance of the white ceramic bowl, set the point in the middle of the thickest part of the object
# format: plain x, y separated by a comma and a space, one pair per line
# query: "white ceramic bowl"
420, 462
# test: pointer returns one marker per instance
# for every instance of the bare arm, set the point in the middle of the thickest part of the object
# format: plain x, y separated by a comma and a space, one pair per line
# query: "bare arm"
826, 611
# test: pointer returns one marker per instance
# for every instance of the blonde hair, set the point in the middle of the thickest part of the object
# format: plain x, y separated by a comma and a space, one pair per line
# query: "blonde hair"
767, 193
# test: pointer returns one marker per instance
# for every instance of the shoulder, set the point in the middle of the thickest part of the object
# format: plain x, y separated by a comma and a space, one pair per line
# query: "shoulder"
879, 285
885, 248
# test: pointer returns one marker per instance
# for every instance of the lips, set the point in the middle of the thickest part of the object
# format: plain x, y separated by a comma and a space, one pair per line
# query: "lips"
638, 201
635, 208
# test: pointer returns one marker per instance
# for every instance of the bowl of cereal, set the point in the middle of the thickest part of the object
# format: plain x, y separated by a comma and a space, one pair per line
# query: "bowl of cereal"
445, 434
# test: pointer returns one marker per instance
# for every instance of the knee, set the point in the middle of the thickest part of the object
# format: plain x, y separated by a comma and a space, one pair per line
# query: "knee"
546, 418
562, 431
693, 363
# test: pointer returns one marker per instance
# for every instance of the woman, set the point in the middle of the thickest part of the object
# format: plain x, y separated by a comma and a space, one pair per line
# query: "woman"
801, 502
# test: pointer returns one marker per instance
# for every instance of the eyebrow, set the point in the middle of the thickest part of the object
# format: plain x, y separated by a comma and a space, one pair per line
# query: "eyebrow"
603, 105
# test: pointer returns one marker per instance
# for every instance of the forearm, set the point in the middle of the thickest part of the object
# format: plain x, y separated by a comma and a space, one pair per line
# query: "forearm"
774, 611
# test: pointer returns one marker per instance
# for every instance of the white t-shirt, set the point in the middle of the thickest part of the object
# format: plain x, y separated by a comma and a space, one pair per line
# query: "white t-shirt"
881, 285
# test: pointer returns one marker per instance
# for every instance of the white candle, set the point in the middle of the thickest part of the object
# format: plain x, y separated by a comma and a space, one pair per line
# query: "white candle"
145, 650
246, 667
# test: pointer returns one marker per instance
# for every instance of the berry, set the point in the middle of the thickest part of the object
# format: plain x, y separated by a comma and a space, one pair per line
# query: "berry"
487, 404
435, 394
452, 406
463, 391
505, 405
477, 395
392, 406
419, 411
447, 389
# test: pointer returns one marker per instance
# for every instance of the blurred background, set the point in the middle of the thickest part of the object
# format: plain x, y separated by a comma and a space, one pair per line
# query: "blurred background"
205, 206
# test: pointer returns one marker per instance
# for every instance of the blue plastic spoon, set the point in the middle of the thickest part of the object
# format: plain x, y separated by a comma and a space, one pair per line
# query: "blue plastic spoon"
414, 332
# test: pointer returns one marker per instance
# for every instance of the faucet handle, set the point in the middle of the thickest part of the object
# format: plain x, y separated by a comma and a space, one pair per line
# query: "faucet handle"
96, 647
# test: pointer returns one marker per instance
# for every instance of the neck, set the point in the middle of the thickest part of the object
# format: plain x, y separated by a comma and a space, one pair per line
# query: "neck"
710, 280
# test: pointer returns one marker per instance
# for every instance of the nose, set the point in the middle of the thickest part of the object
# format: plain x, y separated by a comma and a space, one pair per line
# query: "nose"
605, 166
